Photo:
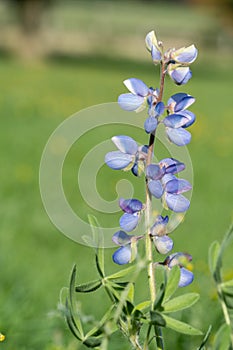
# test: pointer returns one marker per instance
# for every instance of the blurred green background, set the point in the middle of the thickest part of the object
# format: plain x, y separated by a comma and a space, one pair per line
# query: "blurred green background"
58, 57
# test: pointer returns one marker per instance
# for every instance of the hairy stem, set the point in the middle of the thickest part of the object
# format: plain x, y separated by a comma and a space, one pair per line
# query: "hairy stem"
148, 218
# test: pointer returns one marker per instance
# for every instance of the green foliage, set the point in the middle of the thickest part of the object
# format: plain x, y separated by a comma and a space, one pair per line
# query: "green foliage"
38, 96
124, 313
224, 337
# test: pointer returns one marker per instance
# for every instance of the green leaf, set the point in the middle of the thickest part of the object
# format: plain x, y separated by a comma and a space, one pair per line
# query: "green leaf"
226, 240
216, 253
118, 285
206, 337
160, 296
71, 323
182, 302
88, 287
172, 282
130, 296
92, 342
98, 239
70, 303
228, 301
181, 327
227, 291
214, 260
227, 284
123, 273
222, 338
157, 319
227, 288
142, 306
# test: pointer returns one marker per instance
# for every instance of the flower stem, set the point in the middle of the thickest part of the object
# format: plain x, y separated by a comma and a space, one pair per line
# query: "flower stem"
148, 218
148, 212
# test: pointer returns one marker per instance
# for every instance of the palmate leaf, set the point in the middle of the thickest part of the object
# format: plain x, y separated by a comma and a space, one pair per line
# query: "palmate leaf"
181, 327
173, 278
223, 338
182, 302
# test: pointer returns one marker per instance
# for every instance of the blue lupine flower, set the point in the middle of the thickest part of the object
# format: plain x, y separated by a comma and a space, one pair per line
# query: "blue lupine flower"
162, 242
154, 47
180, 75
155, 110
185, 55
136, 100
129, 156
179, 118
178, 62
132, 209
182, 260
128, 247
162, 182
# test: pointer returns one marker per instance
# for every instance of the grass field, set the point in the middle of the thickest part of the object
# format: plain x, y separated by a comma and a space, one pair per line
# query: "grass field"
35, 258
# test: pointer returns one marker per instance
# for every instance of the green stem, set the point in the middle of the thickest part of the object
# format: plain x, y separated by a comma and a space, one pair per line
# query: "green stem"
148, 216
159, 338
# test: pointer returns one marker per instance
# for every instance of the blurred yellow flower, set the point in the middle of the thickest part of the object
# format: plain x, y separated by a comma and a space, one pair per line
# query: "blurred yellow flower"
2, 337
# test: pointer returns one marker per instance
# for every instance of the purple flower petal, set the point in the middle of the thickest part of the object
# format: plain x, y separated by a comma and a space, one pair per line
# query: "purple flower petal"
184, 103
117, 160
122, 255
155, 188
159, 108
137, 87
163, 244
150, 124
121, 238
128, 222
179, 136
130, 102
159, 227
175, 121
177, 186
166, 178
177, 202
185, 54
125, 144
153, 46
190, 116
130, 206
172, 165
180, 75
175, 99
155, 54
154, 172
186, 277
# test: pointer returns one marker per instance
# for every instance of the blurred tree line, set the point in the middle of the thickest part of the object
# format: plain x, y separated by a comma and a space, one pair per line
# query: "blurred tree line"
29, 12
